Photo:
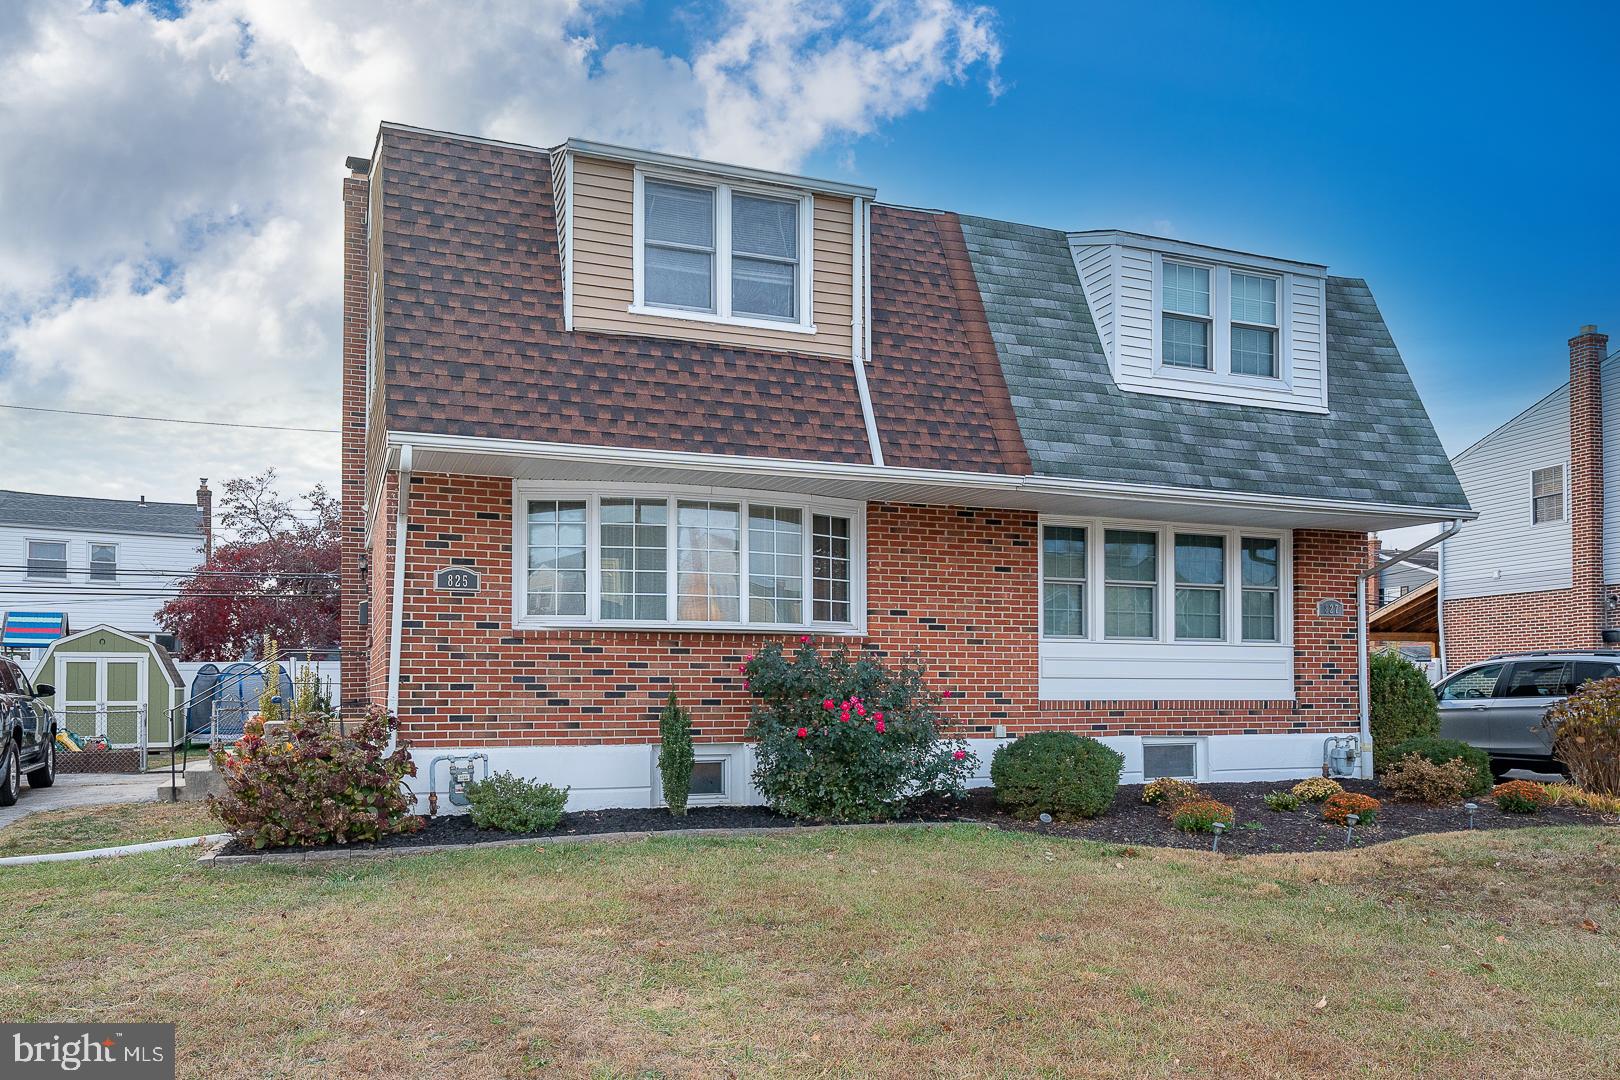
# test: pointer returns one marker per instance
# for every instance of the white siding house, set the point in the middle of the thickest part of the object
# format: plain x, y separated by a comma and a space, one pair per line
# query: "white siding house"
97, 561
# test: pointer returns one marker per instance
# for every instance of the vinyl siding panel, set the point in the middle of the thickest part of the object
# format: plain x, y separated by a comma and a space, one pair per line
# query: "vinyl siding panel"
602, 233
1503, 552
1096, 265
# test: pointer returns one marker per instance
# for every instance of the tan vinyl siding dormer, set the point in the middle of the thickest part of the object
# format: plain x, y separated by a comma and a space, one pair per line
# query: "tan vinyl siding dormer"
601, 233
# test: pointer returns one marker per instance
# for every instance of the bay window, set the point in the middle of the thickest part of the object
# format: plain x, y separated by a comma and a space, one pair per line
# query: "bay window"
646, 559
721, 253
1157, 583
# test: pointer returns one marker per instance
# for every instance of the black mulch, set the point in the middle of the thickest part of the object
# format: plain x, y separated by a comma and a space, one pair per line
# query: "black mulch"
1129, 822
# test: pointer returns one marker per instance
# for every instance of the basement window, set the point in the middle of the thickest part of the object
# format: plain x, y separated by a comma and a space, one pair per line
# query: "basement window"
1177, 759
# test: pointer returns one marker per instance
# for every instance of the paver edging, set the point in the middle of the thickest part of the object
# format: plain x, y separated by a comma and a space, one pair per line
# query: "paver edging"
213, 858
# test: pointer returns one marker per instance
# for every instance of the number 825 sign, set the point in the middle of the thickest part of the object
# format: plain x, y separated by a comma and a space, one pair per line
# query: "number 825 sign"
456, 579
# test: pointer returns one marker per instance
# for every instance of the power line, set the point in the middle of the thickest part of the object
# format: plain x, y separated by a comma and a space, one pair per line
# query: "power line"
196, 571
166, 419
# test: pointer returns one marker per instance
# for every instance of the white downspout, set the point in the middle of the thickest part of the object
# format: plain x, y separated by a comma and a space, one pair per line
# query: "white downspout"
859, 332
1363, 691
1440, 613
396, 614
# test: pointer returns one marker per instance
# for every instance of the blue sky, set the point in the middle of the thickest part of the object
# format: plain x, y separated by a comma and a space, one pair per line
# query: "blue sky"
1465, 163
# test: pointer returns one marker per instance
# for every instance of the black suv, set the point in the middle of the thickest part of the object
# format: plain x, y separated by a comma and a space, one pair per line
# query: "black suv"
29, 728
1497, 705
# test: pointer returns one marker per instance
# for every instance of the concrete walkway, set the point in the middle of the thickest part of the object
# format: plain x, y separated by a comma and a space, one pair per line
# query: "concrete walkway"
83, 789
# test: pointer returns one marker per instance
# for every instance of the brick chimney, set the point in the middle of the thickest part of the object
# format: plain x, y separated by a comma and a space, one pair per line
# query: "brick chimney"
1586, 352
353, 582
205, 507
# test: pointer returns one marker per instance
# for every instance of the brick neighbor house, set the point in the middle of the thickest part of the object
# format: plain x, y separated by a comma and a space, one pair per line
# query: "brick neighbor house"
613, 418
1540, 568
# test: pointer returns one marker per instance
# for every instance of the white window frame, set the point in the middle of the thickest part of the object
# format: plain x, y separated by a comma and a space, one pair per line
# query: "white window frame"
1200, 746
1223, 588
1240, 324
1563, 475
1221, 322
733, 777
90, 562
805, 322
1164, 611
67, 559
593, 493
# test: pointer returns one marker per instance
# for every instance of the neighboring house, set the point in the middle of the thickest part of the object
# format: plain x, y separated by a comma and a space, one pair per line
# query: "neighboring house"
68, 563
612, 419
1407, 575
1540, 568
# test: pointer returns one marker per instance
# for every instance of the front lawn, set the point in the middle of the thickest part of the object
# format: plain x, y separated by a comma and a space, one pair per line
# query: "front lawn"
959, 951
83, 828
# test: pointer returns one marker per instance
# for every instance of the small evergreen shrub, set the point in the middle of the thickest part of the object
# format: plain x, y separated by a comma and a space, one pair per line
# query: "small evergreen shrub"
1200, 815
1316, 788
847, 738
512, 804
1440, 751
1586, 736
1520, 797
312, 783
1057, 773
1401, 704
1282, 801
1336, 808
675, 754
1417, 779
1167, 792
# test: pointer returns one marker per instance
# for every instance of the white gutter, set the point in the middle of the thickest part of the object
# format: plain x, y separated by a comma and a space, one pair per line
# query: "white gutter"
1363, 691
1440, 611
107, 852
396, 614
794, 468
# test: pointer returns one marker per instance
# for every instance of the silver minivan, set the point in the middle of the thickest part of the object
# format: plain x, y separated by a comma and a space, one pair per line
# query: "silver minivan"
1497, 704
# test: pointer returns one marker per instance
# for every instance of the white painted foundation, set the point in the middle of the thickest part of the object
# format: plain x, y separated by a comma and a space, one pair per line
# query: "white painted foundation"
603, 777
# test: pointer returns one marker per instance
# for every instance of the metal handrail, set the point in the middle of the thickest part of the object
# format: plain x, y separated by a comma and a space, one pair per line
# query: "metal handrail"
185, 735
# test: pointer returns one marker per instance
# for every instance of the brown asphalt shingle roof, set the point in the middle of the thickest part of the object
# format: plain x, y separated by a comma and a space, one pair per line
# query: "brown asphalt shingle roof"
474, 343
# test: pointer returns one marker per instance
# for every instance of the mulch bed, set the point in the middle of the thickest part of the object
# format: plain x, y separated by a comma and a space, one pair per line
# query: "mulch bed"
1129, 822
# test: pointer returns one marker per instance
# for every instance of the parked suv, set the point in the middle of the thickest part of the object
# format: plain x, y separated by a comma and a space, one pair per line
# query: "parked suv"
29, 728
1497, 705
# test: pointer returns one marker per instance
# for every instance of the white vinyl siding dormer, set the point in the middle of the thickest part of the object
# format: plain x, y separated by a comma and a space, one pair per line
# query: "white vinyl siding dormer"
1185, 320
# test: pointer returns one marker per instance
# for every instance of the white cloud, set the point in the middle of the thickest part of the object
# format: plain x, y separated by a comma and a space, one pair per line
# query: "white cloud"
169, 243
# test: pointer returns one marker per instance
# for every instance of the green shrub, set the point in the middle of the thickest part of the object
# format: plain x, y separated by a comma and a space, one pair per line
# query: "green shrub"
675, 755
512, 804
1520, 797
847, 739
1167, 792
1055, 772
1402, 705
1440, 751
1586, 736
1283, 801
1200, 815
1417, 779
312, 783
1316, 788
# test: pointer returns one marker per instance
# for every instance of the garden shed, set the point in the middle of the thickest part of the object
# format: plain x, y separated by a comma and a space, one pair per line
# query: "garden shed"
112, 684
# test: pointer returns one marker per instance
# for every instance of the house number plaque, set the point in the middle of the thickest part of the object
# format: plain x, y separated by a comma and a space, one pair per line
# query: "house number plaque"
1330, 609
456, 579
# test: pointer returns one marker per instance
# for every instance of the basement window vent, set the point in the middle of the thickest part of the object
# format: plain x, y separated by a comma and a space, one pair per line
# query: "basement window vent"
709, 777
1173, 759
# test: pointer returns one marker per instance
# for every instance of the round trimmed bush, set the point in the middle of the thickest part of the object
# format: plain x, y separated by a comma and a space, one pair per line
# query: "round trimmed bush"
1055, 772
1336, 808
1440, 751
1402, 705
1520, 797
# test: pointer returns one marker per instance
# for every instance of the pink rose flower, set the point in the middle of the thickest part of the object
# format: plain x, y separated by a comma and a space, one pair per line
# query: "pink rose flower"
879, 717
828, 703
745, 684
959, 755
879, 727
861, 709
803, 732
947, 693
804, 639
750, 656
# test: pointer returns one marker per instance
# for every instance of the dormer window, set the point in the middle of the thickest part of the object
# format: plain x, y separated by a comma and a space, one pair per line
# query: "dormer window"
722, 252
1186, 315
1254, 325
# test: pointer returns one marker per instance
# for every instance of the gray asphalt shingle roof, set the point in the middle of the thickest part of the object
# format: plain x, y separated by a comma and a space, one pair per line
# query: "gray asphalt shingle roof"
1376, 445
98, 515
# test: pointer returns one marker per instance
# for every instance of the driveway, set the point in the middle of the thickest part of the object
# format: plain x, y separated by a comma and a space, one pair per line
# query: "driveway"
83, 789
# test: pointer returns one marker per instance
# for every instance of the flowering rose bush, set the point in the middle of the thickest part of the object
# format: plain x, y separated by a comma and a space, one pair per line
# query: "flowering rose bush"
312, 784
846, 738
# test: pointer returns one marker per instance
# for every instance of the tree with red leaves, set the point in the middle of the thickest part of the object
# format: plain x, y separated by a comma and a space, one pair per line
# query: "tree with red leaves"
277, 575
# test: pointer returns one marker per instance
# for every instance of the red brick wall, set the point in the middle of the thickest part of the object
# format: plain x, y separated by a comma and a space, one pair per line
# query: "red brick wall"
1478, 627
352, 518
953, 586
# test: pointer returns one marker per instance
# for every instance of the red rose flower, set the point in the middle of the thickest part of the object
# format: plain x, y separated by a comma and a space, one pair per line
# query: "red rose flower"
879, 727
803, 732
959, 755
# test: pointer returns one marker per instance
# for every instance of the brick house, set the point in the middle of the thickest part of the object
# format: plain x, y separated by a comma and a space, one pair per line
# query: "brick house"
1540, 568
613, 418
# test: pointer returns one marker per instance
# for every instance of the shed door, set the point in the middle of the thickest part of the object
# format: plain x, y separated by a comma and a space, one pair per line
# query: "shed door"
102, 695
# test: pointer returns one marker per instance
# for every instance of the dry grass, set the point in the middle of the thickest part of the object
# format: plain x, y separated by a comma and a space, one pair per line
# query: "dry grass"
88, 827
957, 952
